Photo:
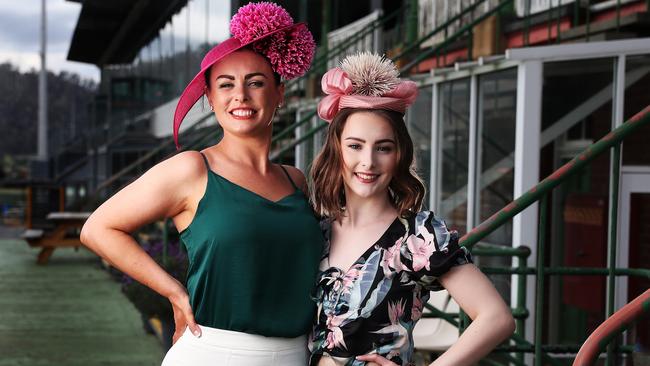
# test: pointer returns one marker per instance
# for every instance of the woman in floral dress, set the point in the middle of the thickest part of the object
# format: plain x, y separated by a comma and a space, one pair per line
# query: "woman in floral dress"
382, 255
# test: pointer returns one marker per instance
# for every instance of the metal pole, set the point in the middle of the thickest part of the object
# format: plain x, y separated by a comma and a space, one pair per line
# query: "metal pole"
539, 294
521, 299
325, 28
42, 89
614, 177
412, 22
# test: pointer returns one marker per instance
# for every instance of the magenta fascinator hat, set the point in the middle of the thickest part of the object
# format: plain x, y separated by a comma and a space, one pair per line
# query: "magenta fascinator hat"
365, 80
271, 32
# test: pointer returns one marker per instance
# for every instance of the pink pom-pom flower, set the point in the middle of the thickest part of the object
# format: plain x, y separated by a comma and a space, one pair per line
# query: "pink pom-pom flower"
290, 52
256, 19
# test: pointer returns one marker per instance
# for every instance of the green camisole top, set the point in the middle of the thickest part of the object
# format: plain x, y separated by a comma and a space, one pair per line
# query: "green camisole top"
252, 261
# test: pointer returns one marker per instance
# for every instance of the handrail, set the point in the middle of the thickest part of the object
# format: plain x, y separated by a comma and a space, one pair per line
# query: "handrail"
277, 154
145, 157
287, 130
439, 28
339, 48
610, 328
433, 50
534, 194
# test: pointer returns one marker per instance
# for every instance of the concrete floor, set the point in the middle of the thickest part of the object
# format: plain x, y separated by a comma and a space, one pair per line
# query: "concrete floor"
69, 312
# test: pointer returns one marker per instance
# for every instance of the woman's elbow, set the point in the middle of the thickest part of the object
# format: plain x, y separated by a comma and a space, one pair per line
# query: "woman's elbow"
87, 233
506, 323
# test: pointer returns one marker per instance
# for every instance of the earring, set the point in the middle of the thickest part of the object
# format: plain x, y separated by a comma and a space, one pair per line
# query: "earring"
211, 108
280, 105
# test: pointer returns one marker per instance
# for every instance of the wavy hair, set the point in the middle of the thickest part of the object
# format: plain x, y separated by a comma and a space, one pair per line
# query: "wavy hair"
406, 189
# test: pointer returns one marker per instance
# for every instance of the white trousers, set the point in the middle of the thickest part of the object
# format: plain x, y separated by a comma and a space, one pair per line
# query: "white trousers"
217, 347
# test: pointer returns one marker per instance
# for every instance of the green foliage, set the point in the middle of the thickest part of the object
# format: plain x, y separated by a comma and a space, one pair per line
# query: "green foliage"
69, 98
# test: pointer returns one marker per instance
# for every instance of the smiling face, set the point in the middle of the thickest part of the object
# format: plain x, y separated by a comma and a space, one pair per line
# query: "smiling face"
243, 93
369, 154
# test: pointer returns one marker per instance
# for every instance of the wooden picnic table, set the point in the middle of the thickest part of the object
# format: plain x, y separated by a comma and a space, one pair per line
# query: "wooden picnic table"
67, 226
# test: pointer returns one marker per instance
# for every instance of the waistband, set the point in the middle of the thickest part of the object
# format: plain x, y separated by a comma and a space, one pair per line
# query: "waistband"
245, 341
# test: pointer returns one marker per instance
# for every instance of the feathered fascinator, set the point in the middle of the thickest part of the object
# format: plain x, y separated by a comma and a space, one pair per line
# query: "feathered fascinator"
271, 32
365, 80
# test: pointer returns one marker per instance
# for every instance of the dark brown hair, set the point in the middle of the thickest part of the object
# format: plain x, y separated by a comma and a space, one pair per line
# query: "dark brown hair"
328, 194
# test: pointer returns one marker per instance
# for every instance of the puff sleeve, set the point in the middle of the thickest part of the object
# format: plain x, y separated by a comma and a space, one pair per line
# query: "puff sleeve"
428, 250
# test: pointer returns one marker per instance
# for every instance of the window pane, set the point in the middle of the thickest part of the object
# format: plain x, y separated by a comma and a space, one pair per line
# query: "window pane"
637, 78
453, 118
576, 112
496, 113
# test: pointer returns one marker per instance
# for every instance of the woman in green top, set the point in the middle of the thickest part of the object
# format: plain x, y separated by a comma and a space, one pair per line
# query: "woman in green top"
246, 222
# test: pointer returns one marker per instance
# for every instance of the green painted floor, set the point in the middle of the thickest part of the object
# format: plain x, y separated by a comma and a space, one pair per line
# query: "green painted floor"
67, 313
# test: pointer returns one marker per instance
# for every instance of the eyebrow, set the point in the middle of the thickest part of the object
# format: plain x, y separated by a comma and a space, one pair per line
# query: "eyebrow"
248, 76
376, 142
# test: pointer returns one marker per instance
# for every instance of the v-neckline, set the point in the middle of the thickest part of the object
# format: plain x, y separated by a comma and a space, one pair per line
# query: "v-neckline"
363, 255
295, 190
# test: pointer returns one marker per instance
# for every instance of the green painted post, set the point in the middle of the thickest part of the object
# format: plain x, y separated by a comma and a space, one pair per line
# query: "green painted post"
618, 15
539, 292
521, 299
526, 21
615, 164
412, 22
326, 26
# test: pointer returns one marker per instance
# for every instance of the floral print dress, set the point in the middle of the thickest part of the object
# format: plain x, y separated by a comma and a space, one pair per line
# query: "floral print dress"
374, 305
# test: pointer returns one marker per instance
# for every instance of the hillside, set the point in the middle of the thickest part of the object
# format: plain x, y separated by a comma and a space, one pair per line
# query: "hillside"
69, 100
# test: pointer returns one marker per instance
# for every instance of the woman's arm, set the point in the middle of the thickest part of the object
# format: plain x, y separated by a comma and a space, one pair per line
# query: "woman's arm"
492, 320
163, 191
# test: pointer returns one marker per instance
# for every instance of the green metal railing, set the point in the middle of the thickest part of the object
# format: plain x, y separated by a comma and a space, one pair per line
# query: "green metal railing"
148, 159
540, 193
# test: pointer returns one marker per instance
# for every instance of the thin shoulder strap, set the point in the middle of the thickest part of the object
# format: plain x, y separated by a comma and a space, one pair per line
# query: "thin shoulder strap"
289, 177
205, 159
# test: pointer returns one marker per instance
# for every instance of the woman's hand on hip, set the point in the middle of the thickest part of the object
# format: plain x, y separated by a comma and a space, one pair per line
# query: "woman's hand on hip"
183, 314
376, 359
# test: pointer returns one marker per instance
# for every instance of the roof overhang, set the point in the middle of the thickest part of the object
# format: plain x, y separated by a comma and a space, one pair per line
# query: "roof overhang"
113, 32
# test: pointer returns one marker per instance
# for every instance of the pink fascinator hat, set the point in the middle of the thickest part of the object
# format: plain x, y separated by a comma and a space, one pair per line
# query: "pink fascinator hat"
365, 80
271, 32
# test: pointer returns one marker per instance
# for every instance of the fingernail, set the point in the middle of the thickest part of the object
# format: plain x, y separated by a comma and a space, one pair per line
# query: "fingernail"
196, 333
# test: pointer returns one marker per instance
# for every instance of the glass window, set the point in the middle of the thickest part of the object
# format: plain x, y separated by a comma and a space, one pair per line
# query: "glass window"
497, 119
453, 121
576, 112
637, 80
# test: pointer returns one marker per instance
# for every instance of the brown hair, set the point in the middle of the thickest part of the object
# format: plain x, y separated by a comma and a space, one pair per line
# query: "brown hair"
328, 194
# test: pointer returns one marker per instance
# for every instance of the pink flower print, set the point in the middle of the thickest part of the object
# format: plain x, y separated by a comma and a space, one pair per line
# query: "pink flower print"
416, 310
395, 311
392, 258
335, 339
353, 274
421, 251
334, 321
